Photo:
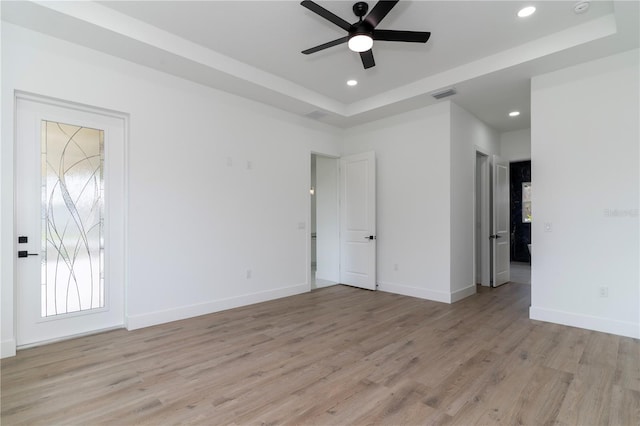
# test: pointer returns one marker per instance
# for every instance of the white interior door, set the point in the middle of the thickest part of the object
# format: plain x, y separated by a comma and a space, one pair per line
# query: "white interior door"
500, 236
70, 199
358, 220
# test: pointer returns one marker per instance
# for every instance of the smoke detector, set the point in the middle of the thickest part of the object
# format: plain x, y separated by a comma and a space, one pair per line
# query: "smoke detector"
581, 7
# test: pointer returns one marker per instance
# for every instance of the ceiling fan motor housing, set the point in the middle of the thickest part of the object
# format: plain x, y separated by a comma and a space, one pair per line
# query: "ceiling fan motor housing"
360, 9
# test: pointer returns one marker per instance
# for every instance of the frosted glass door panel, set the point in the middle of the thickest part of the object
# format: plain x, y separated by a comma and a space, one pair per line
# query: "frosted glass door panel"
72, 219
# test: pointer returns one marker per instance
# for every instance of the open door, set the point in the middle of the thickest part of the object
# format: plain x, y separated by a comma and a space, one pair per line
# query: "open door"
501, 270
358, 220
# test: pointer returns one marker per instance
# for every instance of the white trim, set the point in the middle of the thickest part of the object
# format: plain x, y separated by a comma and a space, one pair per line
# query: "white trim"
48, 100
70, 337
422, 293
463, 293
7, 348
116, 225
135, 322
605, 325
321, 283
484, 219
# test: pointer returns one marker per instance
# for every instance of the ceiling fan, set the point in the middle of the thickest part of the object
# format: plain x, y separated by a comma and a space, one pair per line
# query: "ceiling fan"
362, 33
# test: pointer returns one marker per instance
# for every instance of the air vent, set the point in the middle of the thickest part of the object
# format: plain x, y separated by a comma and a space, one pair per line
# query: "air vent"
450, 91
316, 115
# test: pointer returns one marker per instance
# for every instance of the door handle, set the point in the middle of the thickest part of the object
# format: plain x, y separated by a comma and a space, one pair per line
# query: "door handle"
496, 236
24, 253
370, 237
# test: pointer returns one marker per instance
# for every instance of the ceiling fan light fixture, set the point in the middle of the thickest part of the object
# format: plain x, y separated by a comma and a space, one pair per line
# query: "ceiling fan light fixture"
360, 43
360, 34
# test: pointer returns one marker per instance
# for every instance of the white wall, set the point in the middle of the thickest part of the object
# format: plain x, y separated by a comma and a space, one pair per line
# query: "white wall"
516, 145
425, 192
196, 224
584, 156
467, 134
413, 206
328, 227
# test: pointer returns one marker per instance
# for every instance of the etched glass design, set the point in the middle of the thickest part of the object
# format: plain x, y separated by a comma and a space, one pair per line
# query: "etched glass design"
72, 219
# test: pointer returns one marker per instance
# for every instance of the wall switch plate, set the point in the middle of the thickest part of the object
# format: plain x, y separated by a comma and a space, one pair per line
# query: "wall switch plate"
603, 291
302, 225
547, 227
248, 273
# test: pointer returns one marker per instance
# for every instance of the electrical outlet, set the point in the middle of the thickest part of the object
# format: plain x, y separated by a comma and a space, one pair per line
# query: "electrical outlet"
603, 291
547, 227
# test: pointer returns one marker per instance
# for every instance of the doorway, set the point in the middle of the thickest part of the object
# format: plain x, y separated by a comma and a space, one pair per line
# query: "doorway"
482, 259
491, 220
70, 198
521, 217
325, 232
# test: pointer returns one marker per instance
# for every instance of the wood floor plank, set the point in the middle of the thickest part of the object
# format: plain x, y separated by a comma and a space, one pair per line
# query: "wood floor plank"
588, 399
462, 384
628, 364
625, 406
340, 356
542, 397
569, 350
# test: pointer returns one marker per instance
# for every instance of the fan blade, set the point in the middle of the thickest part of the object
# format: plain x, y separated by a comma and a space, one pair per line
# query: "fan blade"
408, 36
379, 11
316, 8
367, 59
326, 45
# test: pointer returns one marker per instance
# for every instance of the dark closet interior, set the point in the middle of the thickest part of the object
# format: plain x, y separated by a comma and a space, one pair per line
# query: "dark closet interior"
520, 172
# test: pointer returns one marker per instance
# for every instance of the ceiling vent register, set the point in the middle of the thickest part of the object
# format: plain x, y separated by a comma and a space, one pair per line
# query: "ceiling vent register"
444, 93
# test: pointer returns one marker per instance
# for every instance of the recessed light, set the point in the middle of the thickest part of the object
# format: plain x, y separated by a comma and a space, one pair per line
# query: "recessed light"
514, 113
352, 82
526, 11
581, 7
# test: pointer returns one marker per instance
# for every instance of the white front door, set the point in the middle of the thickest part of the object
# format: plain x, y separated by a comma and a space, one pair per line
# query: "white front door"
70, 203
358, 220
500, 223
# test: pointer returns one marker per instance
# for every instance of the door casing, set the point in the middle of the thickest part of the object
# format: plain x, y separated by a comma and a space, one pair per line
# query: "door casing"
116, 178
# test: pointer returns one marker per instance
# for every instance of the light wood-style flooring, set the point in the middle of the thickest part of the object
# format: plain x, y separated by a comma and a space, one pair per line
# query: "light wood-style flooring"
336, 356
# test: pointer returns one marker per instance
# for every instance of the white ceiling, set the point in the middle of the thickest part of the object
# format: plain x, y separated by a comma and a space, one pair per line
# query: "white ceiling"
252, 48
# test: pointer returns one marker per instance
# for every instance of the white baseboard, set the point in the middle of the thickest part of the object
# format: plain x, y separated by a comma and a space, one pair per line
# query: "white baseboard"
422, 293
605, 325
160, 317
320, 283
7, 348
327, 277
463, 293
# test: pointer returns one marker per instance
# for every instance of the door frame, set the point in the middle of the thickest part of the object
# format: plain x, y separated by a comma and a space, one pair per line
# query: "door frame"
333, 271
120, 270
484, 219
496, 195
338, 244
